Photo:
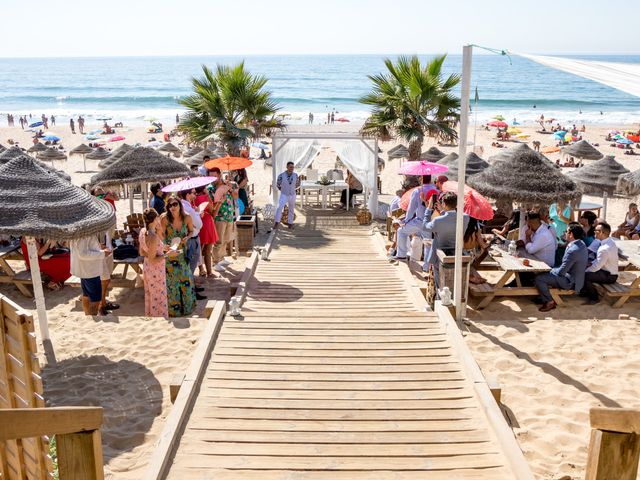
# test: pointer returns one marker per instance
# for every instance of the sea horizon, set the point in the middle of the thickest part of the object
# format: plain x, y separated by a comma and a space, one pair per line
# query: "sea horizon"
133, 88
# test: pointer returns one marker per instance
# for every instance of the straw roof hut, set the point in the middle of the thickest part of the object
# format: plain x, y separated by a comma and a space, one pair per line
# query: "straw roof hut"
2, 148
598, 177
475, 165
38, 147
193, 150
432, 155
629, 183
39, 204
115, 155
81, 149
15, 152
399, 151
140, 165
582, 149
99, 153
51, 154
509, 153
198, 159
170, 148
526, 178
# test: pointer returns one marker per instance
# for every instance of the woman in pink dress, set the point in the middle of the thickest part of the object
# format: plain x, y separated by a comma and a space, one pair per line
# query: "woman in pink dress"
155, 283
208, 233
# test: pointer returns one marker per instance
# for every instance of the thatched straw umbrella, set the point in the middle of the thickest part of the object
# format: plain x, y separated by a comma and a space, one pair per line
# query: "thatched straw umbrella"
170, 148
140, 166
82, 149
582, 149
193, 150
15, 152
509, 153
38, 147
39, 204
599, 177
630, 183
115, 155
475, 165
525, 179
198, 159
2, 148
51, 154
432, 155
399, 151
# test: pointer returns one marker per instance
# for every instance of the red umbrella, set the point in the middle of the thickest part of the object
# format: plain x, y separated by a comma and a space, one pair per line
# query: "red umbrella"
475, 205
404, 201
498, 123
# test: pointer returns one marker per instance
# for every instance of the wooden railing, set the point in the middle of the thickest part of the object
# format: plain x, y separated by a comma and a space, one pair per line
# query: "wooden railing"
77, 431
614, 449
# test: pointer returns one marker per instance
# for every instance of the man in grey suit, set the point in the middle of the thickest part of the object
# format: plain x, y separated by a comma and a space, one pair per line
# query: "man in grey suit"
570, 274
443, 230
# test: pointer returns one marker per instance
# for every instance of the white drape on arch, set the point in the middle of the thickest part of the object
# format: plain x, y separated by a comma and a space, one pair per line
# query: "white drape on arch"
358, 154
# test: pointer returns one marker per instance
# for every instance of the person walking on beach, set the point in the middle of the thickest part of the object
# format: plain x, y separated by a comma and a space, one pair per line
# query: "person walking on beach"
310, 118
287, 182
53, 120
22, 123
72, 125
177, 119
332, 118
328, 118
81, 125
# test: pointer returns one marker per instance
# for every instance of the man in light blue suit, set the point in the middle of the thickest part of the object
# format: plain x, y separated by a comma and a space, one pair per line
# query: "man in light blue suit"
570, 274
443, 230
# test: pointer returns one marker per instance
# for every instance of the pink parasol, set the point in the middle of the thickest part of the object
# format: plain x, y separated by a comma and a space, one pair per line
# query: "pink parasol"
475, 205
342, 119
404, 201
422, 168
498, 123
189, 183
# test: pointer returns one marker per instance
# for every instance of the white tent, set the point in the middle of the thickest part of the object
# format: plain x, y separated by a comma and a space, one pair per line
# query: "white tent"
358, 153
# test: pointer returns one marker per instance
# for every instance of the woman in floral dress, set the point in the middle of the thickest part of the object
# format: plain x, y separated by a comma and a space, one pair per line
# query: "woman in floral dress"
151, 248
180, 283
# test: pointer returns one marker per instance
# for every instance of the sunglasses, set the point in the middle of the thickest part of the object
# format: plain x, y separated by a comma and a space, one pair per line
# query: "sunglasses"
171, 205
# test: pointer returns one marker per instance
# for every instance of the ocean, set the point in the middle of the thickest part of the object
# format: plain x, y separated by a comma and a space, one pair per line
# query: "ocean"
131, 89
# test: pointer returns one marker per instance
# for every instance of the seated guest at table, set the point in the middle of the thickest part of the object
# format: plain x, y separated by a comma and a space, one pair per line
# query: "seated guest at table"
477, 247
56, 267
354, 187
631, 221
604, 269
395, 202
570, 274
538, 239
588, 220
511, 224
560, 215
412, 222
442, 229
157, 199
155, 276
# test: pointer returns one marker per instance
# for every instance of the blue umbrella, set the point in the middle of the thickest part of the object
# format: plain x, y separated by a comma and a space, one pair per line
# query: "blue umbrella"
624, 141
92, 137
51, 138
560, 134
36, 124
260, 145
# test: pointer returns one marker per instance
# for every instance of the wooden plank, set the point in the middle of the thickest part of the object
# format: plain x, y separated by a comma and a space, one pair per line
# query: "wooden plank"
265, 393
80, 456
350, 386
341, 346
382, 405
32, 422
346, 361
344, 376
613, 455
219, 366
170, 434
621, 420
437, 352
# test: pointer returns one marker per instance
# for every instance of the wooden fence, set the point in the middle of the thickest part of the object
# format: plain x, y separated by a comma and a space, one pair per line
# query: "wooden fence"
21, 387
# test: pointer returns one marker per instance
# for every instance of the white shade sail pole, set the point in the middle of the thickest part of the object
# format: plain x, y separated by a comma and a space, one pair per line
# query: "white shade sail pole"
467, 52
36, 279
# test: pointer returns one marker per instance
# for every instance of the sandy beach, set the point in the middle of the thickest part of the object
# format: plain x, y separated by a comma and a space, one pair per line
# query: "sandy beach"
552, 368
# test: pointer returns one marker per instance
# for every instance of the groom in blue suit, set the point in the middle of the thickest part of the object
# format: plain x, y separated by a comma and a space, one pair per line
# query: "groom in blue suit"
570, 274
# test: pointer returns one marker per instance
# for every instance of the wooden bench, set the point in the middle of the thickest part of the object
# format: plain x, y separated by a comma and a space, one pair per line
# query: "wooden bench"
486, 289
619, 291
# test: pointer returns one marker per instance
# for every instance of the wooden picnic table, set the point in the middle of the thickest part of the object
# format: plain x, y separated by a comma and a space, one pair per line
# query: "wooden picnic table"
8, 275
513, 266
118, 281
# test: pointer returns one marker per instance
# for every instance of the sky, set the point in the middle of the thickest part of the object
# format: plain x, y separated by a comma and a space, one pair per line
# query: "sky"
78, 28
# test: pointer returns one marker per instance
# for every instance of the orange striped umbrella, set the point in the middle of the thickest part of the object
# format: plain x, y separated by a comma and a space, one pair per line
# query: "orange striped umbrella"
228, 163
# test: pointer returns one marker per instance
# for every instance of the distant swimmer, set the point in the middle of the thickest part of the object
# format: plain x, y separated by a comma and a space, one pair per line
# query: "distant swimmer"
600, 112
580, 111
534, 106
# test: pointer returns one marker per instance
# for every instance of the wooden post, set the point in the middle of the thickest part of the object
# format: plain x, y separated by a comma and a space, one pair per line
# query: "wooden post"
80, 456
614, 450
37, 288
143, 188
130, 188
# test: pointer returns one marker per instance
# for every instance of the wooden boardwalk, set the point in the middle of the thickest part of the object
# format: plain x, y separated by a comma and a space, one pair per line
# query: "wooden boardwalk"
334, 372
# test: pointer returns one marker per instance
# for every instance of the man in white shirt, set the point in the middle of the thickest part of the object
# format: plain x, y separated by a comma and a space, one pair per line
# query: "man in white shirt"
87, 260
539, 240
193, 252
605, 267
287, 183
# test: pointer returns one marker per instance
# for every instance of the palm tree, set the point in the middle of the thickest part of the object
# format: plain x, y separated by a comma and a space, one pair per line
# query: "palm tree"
412, 102
231, 105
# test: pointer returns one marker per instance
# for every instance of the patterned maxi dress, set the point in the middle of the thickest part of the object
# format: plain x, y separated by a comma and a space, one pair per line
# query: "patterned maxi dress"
155, 283
180, 281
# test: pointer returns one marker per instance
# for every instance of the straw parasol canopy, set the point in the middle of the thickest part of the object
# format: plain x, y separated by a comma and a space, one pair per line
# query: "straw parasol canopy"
598, 177
629, 183
475, 165
198, 159
510, 153
140, 165
170, 148
432, 155
193, 150
114, 156
38, 147
51, 154
15, 152
81, 149
2, 148
526, 178
582, 149
399, 151
99, 153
